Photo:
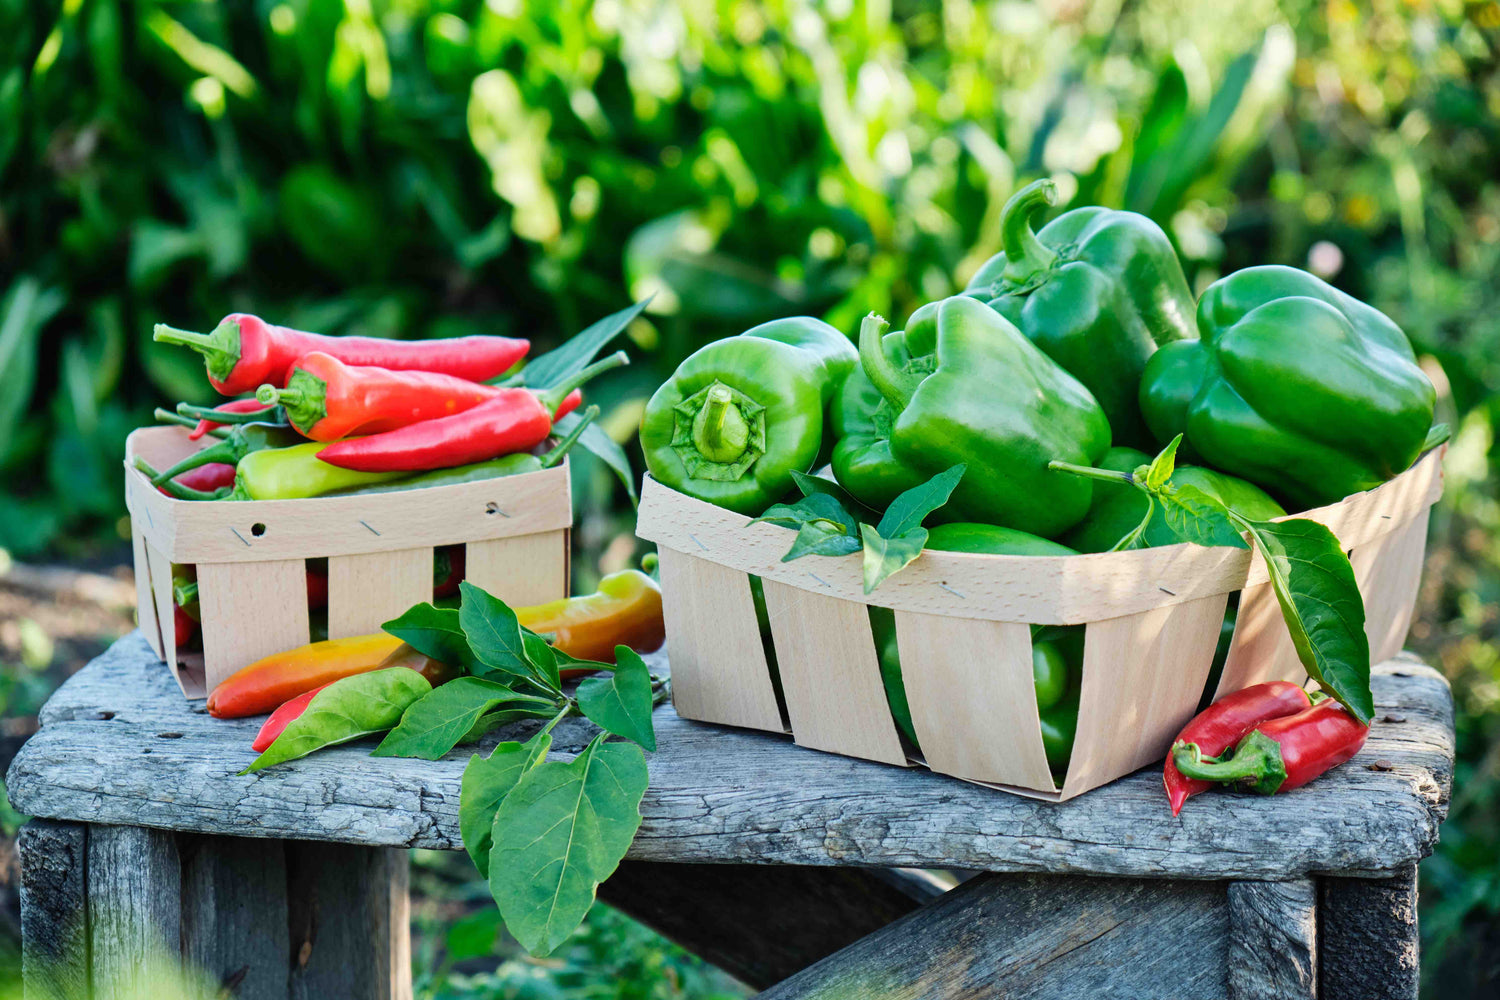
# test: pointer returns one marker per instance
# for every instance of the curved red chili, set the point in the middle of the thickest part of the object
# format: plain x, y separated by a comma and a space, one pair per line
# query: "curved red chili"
282, 717
1282, 753
1219, 726
243, 352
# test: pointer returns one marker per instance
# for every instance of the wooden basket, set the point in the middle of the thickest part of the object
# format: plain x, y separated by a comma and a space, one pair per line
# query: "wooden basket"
251, 556
1152, 620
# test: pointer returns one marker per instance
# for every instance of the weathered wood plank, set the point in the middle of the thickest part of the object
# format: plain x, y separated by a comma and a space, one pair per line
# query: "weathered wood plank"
1367, 937
234, 914
54, 910
762, 923
1038, 938
1273, 940
107, 753
135, 909
350, 922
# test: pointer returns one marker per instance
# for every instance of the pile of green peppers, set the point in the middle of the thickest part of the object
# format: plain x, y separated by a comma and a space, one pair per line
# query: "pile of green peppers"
1080, 343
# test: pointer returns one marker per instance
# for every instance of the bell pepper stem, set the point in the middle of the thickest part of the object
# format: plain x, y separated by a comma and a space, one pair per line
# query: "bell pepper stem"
720, 431
1257, 763
1024, 253
1103, 475
895, 385
562, 447
553, 396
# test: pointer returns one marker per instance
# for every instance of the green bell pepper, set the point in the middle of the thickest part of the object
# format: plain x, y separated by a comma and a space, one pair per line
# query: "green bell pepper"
1098, 290
1117, 510
1295, 386
740, 415
970, 388
1056, 651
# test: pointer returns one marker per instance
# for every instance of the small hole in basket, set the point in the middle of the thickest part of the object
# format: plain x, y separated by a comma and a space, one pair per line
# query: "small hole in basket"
492, 508
257, 529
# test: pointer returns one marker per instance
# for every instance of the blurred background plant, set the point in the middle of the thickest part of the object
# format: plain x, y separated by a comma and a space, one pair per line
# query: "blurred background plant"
432, 168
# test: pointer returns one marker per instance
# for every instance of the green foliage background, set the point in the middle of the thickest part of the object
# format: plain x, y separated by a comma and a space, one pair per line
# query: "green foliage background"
432, 168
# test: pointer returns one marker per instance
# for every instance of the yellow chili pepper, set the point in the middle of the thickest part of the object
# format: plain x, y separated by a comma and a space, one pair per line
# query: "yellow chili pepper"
275, 679
624, 611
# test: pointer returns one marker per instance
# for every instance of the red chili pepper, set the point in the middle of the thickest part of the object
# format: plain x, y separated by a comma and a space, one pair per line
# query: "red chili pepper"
1282, 753
183, 625
203, 479
243, 352
1220, 725
514, 420
448, 570
279, 719
251, 407
326, 399
570, 403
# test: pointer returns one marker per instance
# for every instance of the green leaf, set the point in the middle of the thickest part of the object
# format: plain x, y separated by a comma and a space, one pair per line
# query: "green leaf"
1321, 604
884, 556
560, 832
1136, 539
817, 484
1163, 465
1436, 435
911, 508
435, 632
566, 661
603, 447
492, 631
346, 710
575, 353
821, 538
1198, 517
541, 657
620, 702
813, 507
486, 781
438, 722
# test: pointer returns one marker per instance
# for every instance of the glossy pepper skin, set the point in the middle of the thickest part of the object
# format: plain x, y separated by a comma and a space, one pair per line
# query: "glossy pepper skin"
1117, 510
326, 399
275, 679
244, 351
1222, 724
972, 389
624, 611
297, 473
1294, 386
1097, 290
513, 420
1056, 652
1284, 753
740, 415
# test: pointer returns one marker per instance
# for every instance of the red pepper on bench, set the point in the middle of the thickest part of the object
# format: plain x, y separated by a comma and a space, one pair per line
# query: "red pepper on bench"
514, 420
1283, 753
1220, 725
245, 351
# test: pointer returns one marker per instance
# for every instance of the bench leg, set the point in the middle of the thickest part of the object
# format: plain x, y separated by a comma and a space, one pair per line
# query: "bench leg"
1367, 937
1273, 940
110, 911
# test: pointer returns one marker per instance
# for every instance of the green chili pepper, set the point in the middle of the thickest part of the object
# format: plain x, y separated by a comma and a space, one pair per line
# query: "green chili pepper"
345, 710
1097, 290
740, 415
295, 473
962, 384
1116, 511
495, 468
1294, 385
234, 444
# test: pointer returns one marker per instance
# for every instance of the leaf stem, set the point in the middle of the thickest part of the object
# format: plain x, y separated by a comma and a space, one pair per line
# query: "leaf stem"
1103, 475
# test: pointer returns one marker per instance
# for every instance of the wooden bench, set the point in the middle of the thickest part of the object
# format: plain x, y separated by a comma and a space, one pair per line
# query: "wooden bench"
788, 867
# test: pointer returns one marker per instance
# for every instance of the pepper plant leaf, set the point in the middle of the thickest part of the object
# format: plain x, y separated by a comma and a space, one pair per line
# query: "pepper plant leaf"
884, 556
486, 781
575, 353
813, 507
493, 632
1198, 517
438, 722
821, 538
1163, 465
541, 658
603, 447
911, 508
560, 832
1322, 606
346, 710
621, 702
435, 632
1436, 435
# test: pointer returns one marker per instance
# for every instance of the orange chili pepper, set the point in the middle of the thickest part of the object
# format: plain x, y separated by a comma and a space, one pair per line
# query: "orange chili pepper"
280, 677
625, 611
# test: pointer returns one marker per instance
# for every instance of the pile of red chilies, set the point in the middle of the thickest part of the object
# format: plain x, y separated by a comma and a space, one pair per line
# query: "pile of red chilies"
1267, 738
